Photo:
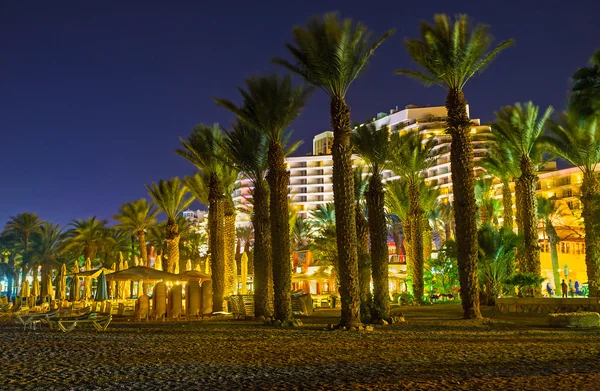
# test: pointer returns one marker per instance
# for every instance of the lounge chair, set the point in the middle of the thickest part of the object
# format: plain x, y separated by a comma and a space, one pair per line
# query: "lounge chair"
175, 298
142, 307
66, 324
33, 319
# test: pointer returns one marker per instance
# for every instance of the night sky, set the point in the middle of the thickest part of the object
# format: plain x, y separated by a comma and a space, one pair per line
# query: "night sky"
95, 95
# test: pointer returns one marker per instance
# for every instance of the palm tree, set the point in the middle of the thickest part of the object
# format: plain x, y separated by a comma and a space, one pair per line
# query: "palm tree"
172, 197
136, 217
551, 212
578, 142
450, 54
411, 155
247, 149
373, 145
484, 196
87, 237
584, 99
46, 250
324, 247
330, 54
520, 127
362, 235
24, 225
501, 164
10, 252
270, 104
212, 185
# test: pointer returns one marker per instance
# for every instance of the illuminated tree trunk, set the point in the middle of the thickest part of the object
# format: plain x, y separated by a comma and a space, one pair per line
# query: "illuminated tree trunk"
589, 188
415, 215
529, 214
343, 191
379, 249
507, 223
553, 240
216, 243
364, 266
229, 249
263, 278
465, 208
278, 178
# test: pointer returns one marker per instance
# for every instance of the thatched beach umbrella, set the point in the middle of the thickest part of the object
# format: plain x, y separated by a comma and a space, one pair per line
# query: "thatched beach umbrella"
87, 288
244, 273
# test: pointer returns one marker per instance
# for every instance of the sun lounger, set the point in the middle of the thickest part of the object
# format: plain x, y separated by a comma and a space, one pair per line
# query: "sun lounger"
142, 307
31, 320
67, 324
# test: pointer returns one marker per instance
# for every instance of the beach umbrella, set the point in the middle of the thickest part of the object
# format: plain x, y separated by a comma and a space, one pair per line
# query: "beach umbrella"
244, 273
235, 277
25, 289
126, 284
113, 284
158, 263
177, 267
74, 295
188, 265
87, 289
49, 288
121, 285
35, 289
143, 273
102, 291
61, 283
197, 268
136, 262
207, 265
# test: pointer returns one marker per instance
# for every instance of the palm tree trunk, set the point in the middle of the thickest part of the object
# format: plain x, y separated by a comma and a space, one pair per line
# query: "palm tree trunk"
262, 250
229, 251
172, 238
589, 189
143, 248
343, 192
529, 212
415, 215
278, 178
216, 244
379, 248
553, 240
465, 208
507, 215
427, 239
409, 253
364, 266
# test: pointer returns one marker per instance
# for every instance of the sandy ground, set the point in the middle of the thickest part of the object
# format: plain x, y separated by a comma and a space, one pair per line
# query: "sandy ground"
433, 350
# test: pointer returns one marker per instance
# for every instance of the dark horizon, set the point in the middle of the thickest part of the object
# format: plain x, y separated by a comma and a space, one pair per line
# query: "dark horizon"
95, 97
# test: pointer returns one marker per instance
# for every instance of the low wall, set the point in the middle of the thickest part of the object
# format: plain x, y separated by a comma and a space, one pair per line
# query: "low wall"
546, 305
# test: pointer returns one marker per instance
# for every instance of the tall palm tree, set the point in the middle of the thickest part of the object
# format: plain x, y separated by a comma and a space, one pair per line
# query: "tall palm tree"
24, 225
372, 145
270, 104
450, 53
551, 211
501, 164
520, 128
87, 237
578, 142
46, 250
410, 156
211, 185
584, 98
362, 234
172, 197
330, 54
247, 148
136, 217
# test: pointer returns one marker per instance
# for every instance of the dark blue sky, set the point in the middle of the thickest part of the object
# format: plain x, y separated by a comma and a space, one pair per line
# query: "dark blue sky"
94, 95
